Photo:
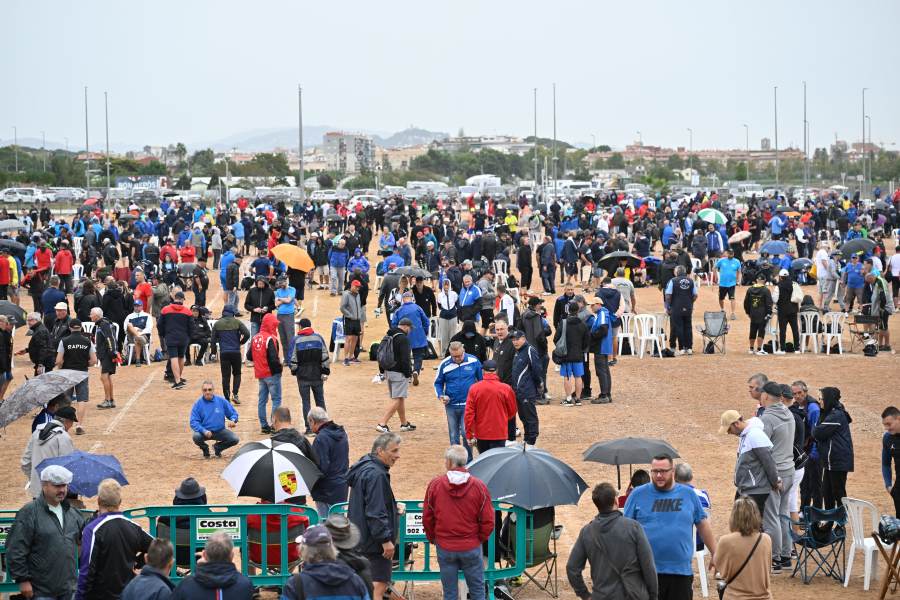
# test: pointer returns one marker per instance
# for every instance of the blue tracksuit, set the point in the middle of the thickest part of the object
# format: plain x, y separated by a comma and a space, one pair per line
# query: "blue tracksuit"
454, 380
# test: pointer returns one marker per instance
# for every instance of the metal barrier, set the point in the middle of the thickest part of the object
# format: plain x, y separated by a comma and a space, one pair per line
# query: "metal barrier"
413, 530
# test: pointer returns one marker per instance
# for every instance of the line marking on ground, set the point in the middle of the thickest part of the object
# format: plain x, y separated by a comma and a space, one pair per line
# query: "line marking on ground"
94, 447
130, 402
316, 305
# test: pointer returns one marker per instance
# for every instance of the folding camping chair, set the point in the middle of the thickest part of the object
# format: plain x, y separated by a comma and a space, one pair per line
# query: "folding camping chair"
540, 544
858, 335
714, 330
828, 551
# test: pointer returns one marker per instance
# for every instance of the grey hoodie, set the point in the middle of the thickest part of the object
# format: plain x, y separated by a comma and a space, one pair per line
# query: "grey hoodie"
755, 471
627, 547
779, 425
49, 440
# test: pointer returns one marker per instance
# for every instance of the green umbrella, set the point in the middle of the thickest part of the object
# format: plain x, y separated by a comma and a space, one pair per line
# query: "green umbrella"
711, 215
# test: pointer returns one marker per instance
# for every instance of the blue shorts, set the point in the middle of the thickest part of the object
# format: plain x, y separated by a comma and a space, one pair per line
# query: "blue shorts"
572, 369
177, 351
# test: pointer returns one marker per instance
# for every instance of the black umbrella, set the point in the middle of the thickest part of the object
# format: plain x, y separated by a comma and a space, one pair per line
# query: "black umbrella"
628, 451
856, 246
800, 264
271, 471
511, 206
542, 207
12, 244
36, 391
880, 205
87, 207
186, 268
531, 479
128, 217
334, 218
611, 261
410, 271
14, 313
771, 203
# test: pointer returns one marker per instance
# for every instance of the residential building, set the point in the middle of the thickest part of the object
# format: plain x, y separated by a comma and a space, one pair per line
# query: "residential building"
398, 158
348, 152
501, 143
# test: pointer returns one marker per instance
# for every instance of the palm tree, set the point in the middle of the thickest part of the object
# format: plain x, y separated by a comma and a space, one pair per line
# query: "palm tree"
658, 186
181, 150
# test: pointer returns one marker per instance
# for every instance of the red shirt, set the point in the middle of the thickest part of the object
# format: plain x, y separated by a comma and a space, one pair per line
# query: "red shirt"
489, 407
4, 272
43, 259
64, 262
171, 251
187, 254
143, 293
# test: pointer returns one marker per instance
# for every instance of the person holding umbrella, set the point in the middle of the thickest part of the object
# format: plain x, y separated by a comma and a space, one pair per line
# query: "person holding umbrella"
49, 440
208, 421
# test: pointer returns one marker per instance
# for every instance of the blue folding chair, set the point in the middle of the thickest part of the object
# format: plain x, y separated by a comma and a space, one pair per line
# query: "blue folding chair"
824, 547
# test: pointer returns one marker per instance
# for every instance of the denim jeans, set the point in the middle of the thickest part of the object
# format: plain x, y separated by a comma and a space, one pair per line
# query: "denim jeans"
60, 597
472, 566
234, 299
322, 508
254, 329
547, 278
418, 354
318, 391
270, 385
456, 422
286, 332
224, 439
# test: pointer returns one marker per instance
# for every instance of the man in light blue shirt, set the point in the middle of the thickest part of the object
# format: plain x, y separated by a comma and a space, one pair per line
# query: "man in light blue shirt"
284, 306
776, 224
729, 278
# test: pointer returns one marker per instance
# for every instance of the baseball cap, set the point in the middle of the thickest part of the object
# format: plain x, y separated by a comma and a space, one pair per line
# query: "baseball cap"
66, 412
467, 262
317, 535
535, 301
729, 417
489, 365
783, 273
761, 277
596, 300
518, 333
407, 295
201, 259
179, 295
138, 303
61, 306
730, 250
356, 282
74, 324
786, 391
771, 388
407, 323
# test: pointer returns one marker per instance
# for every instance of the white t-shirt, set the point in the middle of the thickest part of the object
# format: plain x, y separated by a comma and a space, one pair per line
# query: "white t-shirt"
822, 262
877, 263
508, 305
893, 264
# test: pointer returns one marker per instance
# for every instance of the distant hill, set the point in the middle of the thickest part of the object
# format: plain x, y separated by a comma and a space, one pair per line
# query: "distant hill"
313, 135
410, 137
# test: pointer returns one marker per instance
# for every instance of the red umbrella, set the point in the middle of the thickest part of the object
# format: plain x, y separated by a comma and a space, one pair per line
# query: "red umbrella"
91, 201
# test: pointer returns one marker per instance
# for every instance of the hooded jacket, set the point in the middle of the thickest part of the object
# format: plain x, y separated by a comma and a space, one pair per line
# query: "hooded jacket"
333, 579
536, 332
214, 581
176, 323
49, 440
474, 344
490, 405
755, 471
358, 261
263, 298
40, 350
151, 584
577, 338
758, 303
309, 356
454, 380
417, 336
372, 505
351, 305
457, 511
229, 332
780, 428
527, 373
39, 551
781, 297
832, 433
626, 545
113, 305
333, 450
264, 349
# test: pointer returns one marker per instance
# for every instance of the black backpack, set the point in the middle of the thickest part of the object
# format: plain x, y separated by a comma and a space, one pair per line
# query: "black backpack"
386, 352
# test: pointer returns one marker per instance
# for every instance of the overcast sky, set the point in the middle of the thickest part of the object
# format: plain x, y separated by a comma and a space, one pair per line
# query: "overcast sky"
192, 71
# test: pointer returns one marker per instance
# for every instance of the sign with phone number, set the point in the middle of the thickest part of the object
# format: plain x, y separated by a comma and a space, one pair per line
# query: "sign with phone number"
414, 525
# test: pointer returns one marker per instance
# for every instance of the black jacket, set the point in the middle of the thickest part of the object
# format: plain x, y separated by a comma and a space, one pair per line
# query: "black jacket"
113, 305
758, 303
504, 352
233, 276
84, 305
577, 339
40, 351
535, 331
785, 289
214, 581
372, 505
560, 309
523, 258
402, 352
474, 345
201, 330
426, 300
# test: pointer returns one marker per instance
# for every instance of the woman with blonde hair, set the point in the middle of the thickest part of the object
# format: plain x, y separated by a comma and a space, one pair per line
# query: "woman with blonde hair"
743, 556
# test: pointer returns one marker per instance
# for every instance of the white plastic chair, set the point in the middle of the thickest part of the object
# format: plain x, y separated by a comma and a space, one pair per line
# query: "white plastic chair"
699, 557
856, 513
76, 245
809, 328
198, 359
500, 267
432, 335
128, 349
662, 328
696, 265
626, 331
339, 339
77, 271
646, 330
834, 327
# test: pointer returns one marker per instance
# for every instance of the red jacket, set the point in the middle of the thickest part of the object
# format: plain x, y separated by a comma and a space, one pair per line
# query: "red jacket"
273, 539
264, 349
64, 262
187, 254
4, 272
43, 259
171, 251
457, 511
489, 407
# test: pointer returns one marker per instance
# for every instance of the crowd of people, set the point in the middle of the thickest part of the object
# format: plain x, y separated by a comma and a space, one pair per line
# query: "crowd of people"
446, 280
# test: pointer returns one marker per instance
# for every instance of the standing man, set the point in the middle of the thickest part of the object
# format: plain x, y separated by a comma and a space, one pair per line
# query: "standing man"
51, 300
853, 280
200, 281
259, 302
334, 459
230, 334
397, 374
504, 352
176, 323
547, 261
284, 306
77, 352
825, 285
310, 364
681, 293
729, 278
458, 517
528, 381
40, 349
456, 374
48, 440
418, 339
143, 291
890, 451
107, 352
601, 346
668, 512
489, 408
338, 257
42, 545
233, 281
373, 509
779, 426
351, 310
758, 306
267, 369
811, 484
208, 421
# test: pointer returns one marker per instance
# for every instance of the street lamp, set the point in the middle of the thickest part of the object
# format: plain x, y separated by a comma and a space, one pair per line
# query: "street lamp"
17, 146
776, 141
44, 149
67, 146
641, 143
864, 137
747, 132
691, 156
866, 150
594, 138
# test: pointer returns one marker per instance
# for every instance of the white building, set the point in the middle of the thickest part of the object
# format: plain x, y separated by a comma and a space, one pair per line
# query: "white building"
349, 153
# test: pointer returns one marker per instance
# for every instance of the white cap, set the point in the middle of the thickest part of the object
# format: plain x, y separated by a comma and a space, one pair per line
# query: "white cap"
56, 475
783, 273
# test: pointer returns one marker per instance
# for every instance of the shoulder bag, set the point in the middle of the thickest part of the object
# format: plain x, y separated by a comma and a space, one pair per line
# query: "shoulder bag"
561, 351
629, 593
724, 584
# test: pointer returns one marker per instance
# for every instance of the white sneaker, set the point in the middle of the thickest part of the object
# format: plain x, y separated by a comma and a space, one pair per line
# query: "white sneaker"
779, 352
751, 351
733, 317
679, 353
761, 353
530, 446
531, 292
690, 352
796, 352
509, 443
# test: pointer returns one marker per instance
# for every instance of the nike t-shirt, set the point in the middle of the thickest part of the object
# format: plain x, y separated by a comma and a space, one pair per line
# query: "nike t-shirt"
667, 518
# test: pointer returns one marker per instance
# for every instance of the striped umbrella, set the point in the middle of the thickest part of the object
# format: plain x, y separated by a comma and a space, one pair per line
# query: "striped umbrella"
711, 215
271, 471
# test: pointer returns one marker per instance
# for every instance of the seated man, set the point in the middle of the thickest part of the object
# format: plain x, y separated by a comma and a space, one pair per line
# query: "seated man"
208, 421
684, 475
139, 330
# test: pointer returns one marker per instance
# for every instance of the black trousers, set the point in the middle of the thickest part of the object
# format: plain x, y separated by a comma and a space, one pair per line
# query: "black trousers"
217, 254
529, 416
586, 391
200, 297
604, 379
834, 487
485, 445
895, 494
230, 363
526, 277
783, 321
675, 587
811, 484
204, 346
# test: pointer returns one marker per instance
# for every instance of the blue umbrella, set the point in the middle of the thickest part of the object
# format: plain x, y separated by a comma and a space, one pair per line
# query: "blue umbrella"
88, 470
774, 247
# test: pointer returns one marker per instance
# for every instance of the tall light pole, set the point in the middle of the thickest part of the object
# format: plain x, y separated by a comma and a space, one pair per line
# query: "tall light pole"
302, 174
87, 152
805, 150
555, 159
776, 141
641, 143
44, 149
16, 133
865, 148
862, 195
691, 156
106, 105
534, 198
594, 138
747, 132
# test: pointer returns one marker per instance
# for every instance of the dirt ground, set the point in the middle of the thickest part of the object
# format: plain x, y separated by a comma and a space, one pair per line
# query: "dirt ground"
679, 400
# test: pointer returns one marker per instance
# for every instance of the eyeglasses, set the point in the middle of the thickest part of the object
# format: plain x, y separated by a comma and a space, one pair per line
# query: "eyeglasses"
660, 471
207, 389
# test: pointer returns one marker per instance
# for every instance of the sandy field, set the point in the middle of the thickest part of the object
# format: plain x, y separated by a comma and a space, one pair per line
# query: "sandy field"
679, 400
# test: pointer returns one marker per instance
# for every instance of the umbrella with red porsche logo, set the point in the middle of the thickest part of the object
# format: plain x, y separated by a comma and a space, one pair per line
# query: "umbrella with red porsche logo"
271, 471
